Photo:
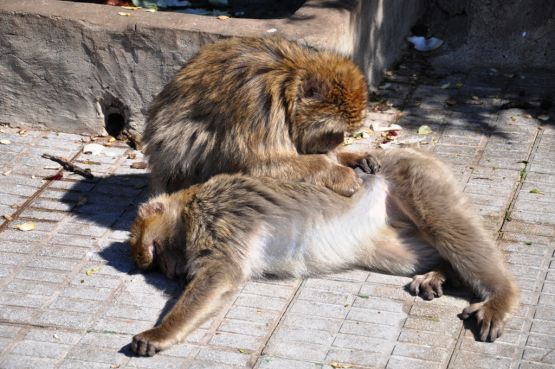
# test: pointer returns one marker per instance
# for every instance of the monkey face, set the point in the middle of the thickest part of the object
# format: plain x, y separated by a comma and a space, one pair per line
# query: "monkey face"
327, 107
152, 237
148, 235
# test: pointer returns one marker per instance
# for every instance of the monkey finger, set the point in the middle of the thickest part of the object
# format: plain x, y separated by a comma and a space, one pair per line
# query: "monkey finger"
485, 330
471, 309
496, 330
365, 166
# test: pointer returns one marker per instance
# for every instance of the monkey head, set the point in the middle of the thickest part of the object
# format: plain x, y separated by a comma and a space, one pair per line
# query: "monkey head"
154, 237
326, 102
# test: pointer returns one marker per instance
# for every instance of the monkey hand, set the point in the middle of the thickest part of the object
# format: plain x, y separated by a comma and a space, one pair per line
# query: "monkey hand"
342, 180
366, 161
428, 285
490, 318
150, 342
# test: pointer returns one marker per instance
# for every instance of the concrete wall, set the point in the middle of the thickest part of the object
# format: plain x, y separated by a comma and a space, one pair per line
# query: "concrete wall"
504, 33
66, 65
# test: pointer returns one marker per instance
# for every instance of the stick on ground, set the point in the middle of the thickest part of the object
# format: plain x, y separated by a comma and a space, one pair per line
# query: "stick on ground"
69, 166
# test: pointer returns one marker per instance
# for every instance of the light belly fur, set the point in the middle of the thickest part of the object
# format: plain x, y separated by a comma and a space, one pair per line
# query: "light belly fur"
328, 243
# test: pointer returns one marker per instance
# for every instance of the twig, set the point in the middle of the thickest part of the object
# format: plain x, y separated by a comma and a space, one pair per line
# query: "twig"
70, 167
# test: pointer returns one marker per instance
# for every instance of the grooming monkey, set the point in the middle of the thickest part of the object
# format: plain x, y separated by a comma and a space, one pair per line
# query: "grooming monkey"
410, 219
261, 107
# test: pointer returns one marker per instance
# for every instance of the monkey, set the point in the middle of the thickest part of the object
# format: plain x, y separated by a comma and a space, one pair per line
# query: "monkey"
257, 106
410, 219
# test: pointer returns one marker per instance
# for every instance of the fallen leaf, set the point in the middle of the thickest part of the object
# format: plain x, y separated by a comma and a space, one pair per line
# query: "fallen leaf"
336, 365
115, 366
451, 102
536, 191
150, 10
138, 165
527, 116
56, 337
543, 117
424, 130
131, 7
22, 132
513, 118
348, 141
528, 243
363, 295
29, 226
223, 17
459, 84
131, 154
243, 351
89, 272
5, 142
509, 75
9, 218
55, 177
474, 97
271, 30
124, 14
446, 85
7, 173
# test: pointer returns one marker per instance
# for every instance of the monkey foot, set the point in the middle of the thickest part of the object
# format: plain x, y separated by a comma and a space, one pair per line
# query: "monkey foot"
490, 319
148, 343
428, 285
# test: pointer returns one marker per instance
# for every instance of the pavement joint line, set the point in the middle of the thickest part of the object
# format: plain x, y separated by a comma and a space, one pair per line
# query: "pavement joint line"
523, 173
32, 198
284, 311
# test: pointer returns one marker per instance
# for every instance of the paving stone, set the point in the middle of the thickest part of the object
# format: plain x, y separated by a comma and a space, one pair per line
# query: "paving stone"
13, 361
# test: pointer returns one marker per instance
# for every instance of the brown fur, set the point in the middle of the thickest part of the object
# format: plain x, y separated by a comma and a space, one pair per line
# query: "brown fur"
410, 218
260, 106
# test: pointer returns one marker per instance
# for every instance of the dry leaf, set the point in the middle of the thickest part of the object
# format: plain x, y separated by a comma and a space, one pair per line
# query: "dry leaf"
336, 365
124, 14
150, 10
527, 116
446, 85
7, 173
5, 142
474, 97
9, 218
131, 7
138, 165
424, 130
243, 351
543, 117
89, 272
55, 177
29, 226
223, 17
22, 132
348, 141
112, 139
459, 84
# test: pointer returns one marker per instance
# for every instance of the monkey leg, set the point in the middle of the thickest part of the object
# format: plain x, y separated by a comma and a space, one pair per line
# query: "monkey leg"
208, 290
426, 192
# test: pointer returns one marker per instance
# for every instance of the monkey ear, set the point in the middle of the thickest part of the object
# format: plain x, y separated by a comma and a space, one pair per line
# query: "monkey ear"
313, 88
151, 208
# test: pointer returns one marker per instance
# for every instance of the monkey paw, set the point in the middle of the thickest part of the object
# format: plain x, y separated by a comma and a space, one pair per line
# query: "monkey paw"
490, 319
428, 285
343, 180
149, 342
369, 164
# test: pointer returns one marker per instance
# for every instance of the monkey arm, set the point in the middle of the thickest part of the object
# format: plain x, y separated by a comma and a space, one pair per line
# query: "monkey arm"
212, 285
314, 168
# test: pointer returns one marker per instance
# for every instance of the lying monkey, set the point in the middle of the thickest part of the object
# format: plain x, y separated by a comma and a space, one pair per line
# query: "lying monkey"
410, 218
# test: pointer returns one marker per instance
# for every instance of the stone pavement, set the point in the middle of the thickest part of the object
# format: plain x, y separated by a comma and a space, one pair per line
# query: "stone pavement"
71, 297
